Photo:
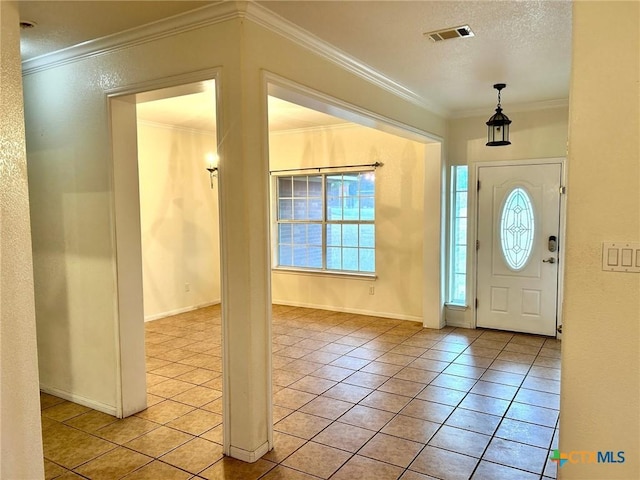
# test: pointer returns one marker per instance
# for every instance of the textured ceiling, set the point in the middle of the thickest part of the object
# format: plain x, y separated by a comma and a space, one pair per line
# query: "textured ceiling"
62, 24
196, 111
525, 44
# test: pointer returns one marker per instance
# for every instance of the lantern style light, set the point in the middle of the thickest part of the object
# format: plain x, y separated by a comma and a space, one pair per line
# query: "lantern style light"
498, 124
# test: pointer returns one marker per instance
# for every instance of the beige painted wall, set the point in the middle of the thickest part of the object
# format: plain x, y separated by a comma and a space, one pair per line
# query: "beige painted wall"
399, 218
70, 169
600, 354
20, 437
533, 134
179, 220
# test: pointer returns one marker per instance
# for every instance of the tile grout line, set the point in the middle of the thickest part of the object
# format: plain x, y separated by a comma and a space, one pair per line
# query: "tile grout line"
367, 336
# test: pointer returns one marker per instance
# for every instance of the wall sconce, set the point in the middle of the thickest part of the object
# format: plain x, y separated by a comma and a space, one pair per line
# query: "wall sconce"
498, 124
212, 166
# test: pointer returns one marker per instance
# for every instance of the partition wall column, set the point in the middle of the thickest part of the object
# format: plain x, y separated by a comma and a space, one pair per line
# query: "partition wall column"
245, 263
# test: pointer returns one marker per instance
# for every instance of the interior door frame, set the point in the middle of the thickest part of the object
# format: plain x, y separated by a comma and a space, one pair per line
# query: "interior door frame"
131, 392
472, 228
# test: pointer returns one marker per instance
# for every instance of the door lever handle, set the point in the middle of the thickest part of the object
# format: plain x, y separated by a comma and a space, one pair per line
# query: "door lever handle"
549, 260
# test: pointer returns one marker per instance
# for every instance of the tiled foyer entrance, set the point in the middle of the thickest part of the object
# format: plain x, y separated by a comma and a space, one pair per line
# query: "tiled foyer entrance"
355, 397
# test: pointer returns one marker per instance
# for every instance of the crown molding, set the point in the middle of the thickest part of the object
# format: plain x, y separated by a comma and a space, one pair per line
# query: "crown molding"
292, 92
276, 24
517, 107
173, 127
166, 27
316, 129
217, 13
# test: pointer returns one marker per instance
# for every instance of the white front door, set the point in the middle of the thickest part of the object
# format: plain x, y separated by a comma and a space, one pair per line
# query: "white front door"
518, 239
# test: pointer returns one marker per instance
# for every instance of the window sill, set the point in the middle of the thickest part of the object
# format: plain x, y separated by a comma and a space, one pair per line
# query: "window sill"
319, 273
456, 306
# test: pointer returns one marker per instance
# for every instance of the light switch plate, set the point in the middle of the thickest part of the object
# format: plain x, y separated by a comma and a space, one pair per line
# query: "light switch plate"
621, 257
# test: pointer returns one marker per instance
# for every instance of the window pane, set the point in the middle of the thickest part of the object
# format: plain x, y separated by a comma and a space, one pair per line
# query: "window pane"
284, 256
300, 209
334, 258
334, 185
284, 187
461, 178
300, 234
284, 234
285, 210
351, 209
460, 231
461, 204
350, 259
334, 208
367, 183
315, 208
314, 235
367, 210
458, 288
350, 183
299, 256
350, 235
334, 235
367, 235
315, 257
315, 186
350, 201
460, 263
300, 186
367, 260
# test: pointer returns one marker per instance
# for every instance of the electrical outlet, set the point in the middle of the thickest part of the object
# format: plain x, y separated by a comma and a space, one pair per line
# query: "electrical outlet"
187, 287
372, 290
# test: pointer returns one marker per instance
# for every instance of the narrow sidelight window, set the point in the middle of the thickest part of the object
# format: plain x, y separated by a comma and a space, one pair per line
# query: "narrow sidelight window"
458, 236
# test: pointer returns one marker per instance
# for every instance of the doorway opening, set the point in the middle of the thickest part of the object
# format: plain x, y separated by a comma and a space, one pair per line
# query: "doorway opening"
355, 206
168, 254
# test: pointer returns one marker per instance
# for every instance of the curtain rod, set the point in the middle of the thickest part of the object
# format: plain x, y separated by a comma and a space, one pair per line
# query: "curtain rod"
374, 165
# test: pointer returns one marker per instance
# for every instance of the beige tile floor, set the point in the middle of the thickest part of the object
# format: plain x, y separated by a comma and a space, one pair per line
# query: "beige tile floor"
355, 397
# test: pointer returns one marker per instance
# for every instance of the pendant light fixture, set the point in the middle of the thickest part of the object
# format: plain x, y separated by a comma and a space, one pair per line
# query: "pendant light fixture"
498, 132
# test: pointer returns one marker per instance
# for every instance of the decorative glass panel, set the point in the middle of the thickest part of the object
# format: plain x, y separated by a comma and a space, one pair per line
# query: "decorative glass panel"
517, 228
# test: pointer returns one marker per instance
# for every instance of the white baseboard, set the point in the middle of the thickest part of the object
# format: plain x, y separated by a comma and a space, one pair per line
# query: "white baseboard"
80, 400
457, 324
249, 456
358, 311
158, 316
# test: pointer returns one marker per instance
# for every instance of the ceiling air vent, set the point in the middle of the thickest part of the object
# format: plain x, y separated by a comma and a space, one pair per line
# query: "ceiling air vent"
446, 34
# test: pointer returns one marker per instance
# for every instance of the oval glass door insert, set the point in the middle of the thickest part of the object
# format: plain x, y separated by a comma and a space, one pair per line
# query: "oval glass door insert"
517, 228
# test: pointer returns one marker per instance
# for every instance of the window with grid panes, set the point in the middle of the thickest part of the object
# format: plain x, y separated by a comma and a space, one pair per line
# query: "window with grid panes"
458, 243
326, 222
